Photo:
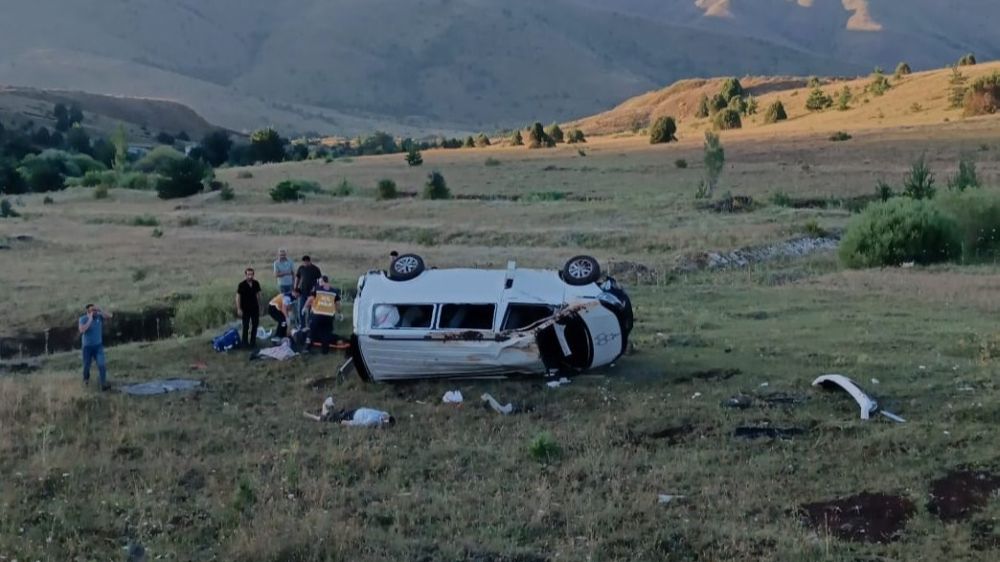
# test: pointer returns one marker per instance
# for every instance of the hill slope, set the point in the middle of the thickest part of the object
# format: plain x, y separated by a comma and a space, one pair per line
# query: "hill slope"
918, 99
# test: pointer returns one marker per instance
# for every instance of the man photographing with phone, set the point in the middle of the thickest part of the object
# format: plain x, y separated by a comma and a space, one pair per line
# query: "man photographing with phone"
92, 336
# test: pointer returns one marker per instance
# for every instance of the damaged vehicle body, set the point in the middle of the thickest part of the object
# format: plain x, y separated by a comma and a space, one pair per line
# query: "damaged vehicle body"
413, 323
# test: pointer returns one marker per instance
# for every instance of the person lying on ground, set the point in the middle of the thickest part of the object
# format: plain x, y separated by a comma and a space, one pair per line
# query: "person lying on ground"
248, 306
361, 417
278, 308
91, 327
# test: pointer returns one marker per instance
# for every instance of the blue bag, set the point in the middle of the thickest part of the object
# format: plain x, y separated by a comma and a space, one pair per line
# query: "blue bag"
227, 340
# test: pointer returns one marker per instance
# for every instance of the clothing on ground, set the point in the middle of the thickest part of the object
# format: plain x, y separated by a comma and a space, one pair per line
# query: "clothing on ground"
279, 352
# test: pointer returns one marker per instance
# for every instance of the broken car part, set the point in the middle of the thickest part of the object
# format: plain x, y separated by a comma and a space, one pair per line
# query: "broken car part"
868, 404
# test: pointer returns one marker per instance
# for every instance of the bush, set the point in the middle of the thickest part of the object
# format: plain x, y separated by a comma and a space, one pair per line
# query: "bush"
343, 189
900, 230
751, 106
386, 189
436, 187
7, 210
101, 192
738, 104
165, 138
715, 161
918, 183
48, 200
775, 112
664, 129
727, 119
680, 163
244, 175
543, 448
718, 102
94, 179
288, 190
266, 145
703, 109
227, 193
576, 136
884, 191
555, 133
983, 97
469, 142
136, 180
844, 99
145, 220
966, 176
413, 157
43, 175
181, 178
840, 136
491, 161
968, 59
731, 88
818, 101
781, 199
159, 160
538, 138
879, 84
516, 139
11, 180
216, 146
813, 82
902, 69
210, 309
977, 214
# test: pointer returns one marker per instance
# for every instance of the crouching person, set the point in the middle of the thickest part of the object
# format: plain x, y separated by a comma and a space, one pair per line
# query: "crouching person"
278, 308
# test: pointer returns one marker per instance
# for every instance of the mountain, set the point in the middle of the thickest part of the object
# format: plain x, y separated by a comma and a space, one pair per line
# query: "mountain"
343, 66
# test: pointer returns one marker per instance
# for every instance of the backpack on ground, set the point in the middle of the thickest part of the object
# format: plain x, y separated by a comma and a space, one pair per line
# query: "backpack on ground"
227, 340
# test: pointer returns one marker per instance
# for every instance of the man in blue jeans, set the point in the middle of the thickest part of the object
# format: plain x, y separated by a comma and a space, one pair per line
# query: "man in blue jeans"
92, 336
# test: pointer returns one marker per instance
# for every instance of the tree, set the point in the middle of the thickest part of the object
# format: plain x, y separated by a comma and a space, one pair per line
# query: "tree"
61, 115
482, 140
45, 175
181, 178
751, 106
75, 114
516, 139
77, 140
413, 157
183, 136
902, 69
300, 151
983, 96
717, 103
737, 105
42, 137
731, 88
727, 119
844, 98
966, 176
11, 180
664, 129
216, 145
555, 133
957, 95
715, 160
469, 142
386, 189
968, 59
266, 145
879, 84
918, 183
703, 109
538, 138
775, 112
813, 82
119, 140
818, 101
575, 136
159, 160
436, 187
165, 138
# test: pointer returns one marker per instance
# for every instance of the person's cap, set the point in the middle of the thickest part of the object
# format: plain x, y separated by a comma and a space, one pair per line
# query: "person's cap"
306, 258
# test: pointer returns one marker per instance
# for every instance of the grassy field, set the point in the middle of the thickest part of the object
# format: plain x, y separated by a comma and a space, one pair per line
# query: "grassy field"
236, 472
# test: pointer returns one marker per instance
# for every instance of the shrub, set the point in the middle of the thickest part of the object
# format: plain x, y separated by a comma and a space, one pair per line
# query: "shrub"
555, 133
703, 110
159, 160
7, 210
483, 141
818, 101
343, 189
227, 193
101, 192
165, 138
576, 136
715, 161
543, 448
812, 229
436, 187
216, 146
145, 220
516, 139
680, 163
727, 119
840, 136
813, 82
538, 138
266, 145
884, 191
43, 175
918, 183
731, 88
11, 180
413, 157
983, 97
751, 106
210, 309
664, 129
968, 59
244, 174
738, 104
386, 189
977, 214
48, 200
718, 102
781, 199
775, 112
900, 230
491, 161
469, 142
879, 84
844, 99
299, 152
966, 176
181, 178
94, 179
902, 69
136, 180
287, 190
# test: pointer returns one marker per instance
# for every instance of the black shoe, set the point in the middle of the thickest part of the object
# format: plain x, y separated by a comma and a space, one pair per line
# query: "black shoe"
105, 387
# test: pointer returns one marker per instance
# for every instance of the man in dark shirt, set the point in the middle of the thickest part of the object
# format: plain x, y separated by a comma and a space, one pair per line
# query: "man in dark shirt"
305, 282
248, 306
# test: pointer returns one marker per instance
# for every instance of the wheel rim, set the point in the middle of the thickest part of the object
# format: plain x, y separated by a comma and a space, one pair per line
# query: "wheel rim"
405, 265
580, 269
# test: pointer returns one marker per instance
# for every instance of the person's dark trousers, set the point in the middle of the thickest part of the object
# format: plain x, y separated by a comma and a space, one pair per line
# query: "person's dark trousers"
282, 330
251, 319
321, 330
94, 353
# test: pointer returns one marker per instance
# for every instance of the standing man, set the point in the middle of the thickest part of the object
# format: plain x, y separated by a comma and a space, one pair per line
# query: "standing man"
324, 308
284, 274
305, 282
92, 337
248, 306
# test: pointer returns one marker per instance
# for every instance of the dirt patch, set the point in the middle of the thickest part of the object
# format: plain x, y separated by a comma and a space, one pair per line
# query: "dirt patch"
960, 493
750, 433
865, 517
672, 435
731, 204
709, 375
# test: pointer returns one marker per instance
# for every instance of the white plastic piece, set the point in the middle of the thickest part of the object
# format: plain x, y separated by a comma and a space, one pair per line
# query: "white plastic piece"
558, 383
868, 405
505, 410
452, 397
561, 336
327, 406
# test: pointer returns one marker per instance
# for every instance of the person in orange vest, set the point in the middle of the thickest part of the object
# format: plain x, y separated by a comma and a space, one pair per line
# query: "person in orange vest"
278, 308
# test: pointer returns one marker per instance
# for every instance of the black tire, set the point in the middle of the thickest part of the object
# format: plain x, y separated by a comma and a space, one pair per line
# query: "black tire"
406, 267
581, 270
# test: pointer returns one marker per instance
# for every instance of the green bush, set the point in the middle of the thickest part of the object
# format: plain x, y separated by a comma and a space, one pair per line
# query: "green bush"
469, 142
94, 179
664, 129
818, 101
902, 69
844, 99
775, 112
727, 119
48, 200
576, 136
968, 59
680, 163
516, 139
900, 230
145, 220
413, 157
483, 141
43, 175
555, 133
11, 180
101, 192
840, 136
544, 449
731, 88
703, 109
918, 183
227, 193
159, 160
136, 180
983, 96
181, 178
884, 191
157, 233
7, 210
718, 102
879, 84
538, 138
966, 176
386, 189
977, 214
210, 309
491, 162
436, 187
288, 190
781, 199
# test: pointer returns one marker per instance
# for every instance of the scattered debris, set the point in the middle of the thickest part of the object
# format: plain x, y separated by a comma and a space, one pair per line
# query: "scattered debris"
695, 395
558, 383
280, 352
159, 386
960, 493
710, 375
868, 405
667, 498
738, 402
452, 397
743, 257
772, 399
504, 410
768, 432
731, 204
865, 517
